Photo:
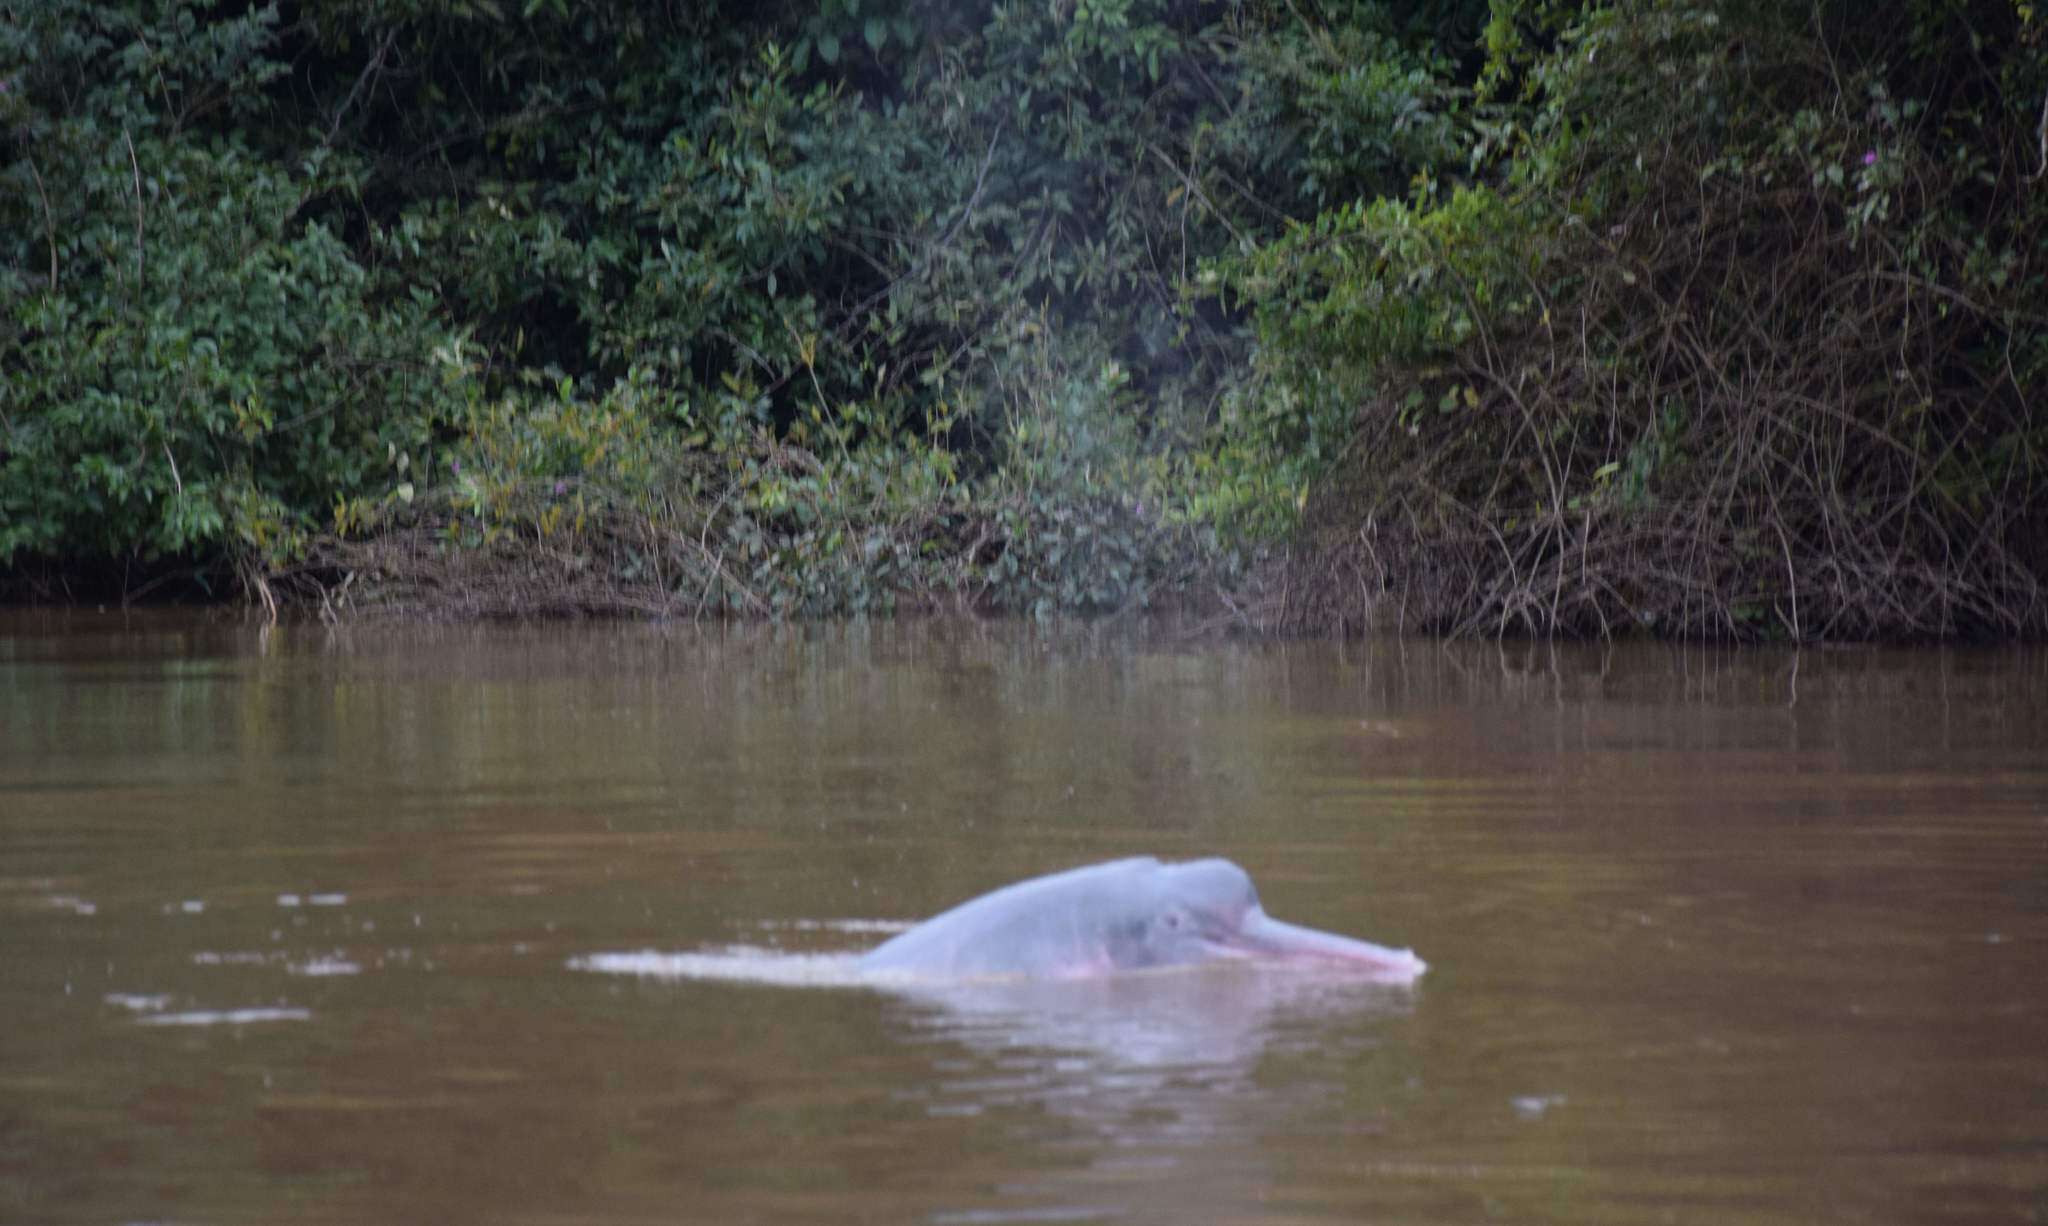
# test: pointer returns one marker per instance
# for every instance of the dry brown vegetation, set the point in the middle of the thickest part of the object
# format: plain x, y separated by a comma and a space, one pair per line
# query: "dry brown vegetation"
1779, 401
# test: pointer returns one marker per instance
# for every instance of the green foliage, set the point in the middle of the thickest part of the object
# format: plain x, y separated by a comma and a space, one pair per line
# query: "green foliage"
834, 305
730, 516
190, 364
1737, 342
1361, 109
1364, 289
829, 271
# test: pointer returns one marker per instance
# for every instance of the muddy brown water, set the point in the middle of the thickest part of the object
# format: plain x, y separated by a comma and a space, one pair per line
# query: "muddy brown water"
297, 926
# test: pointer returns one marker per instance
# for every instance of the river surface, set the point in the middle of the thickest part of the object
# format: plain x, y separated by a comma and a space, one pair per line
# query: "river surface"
519, 925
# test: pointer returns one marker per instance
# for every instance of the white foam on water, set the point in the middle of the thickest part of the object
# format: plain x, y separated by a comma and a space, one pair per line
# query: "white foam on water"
733, 964
866, 926
329, 964
754, 964
226, 1017
209, 957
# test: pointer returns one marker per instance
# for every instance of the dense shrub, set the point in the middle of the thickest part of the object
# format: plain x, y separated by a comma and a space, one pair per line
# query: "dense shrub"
1712, 318
192, 363
275, 281
1744, 340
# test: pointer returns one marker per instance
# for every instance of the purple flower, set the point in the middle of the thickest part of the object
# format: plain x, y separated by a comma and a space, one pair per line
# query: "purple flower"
455, 466
561, 487
1870, 157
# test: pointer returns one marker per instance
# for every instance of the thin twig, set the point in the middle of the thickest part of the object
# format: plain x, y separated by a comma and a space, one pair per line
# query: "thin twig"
49, 221
1194, 189
371, 69
136, 167
2041, 134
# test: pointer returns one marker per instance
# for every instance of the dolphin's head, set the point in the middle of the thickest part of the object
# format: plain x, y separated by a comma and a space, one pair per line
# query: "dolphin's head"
1124, 915
1206, 910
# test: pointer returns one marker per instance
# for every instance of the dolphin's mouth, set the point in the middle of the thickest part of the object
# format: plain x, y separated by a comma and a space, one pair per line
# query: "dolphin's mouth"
1262, 936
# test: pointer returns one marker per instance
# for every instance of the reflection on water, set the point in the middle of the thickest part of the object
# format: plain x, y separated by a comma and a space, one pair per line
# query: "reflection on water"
1215, 1017
1144, 1089
1217, 1014
1141, 1085
733, 963
306, 926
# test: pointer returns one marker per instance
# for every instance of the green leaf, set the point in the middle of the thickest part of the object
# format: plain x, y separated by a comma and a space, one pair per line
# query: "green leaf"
828, 48
876, 31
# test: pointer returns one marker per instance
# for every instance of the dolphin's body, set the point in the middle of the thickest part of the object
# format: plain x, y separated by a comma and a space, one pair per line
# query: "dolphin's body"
1123, 915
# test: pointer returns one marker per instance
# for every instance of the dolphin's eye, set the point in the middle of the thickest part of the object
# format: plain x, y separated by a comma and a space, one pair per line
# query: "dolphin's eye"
1173, 920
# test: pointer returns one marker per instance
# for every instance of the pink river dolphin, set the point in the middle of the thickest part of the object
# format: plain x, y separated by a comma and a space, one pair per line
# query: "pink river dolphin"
1120, 916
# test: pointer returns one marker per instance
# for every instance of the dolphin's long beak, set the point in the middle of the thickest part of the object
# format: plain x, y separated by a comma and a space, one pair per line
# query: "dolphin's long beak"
1263, 936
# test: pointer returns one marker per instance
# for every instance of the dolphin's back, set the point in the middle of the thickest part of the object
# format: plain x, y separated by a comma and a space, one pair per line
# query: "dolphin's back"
1059, 925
